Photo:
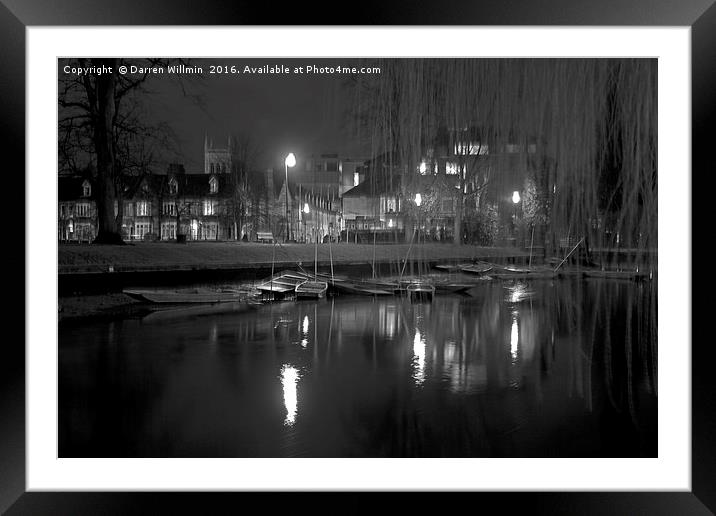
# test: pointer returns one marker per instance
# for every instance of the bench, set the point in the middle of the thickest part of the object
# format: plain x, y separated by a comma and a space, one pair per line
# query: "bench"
264, 236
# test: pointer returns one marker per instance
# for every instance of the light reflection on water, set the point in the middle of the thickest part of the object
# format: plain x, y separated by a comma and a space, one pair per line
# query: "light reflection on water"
289, 382
515, 369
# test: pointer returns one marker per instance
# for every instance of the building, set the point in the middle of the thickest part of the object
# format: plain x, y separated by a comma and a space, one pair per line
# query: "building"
313, 213
77, 209
218, 160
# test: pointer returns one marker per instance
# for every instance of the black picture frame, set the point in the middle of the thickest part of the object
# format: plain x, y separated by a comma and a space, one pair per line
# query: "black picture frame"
16, 15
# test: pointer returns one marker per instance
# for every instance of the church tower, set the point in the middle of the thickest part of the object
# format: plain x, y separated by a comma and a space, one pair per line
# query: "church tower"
217, 160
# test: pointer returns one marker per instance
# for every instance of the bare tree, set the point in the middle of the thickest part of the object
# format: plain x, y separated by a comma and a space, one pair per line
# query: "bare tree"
101, 122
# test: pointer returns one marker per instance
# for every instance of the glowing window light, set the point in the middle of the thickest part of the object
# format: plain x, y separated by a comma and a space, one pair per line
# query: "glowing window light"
451, 168
423, 167
356, 178
515, 197
418, 199
390, 223
289, 382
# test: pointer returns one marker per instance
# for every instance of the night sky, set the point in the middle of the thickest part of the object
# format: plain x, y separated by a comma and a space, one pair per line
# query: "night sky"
300, 113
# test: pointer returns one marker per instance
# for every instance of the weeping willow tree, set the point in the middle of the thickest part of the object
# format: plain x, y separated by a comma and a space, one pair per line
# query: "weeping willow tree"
582, 131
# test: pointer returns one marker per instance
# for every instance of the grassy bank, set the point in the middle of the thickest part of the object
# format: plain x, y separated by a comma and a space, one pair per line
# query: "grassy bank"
207, 255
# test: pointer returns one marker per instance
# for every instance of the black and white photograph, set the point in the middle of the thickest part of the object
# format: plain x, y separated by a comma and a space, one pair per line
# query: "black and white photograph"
357, 257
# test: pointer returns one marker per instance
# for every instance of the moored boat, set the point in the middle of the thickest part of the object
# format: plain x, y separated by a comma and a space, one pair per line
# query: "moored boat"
281, 285
477, 268
311, 289
188, 295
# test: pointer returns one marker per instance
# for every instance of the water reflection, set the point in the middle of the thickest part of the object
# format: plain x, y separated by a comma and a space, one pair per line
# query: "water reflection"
517, 369
419, 360
514, 337
289, 382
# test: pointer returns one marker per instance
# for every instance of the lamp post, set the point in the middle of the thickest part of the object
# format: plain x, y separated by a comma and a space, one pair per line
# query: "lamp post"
305, 210
418, 202
290, 161
515, 201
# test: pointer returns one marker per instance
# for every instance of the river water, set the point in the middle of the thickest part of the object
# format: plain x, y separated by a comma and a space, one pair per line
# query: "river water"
563, 368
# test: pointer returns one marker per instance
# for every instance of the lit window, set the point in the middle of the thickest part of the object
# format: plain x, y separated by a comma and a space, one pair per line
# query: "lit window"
213, 185
356, 178
472, 148
172, 187
169, 208
209, 207
451, 168
143, 209
83, 209
86, 189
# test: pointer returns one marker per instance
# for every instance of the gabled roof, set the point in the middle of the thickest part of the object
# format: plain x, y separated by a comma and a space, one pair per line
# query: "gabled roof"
69, 188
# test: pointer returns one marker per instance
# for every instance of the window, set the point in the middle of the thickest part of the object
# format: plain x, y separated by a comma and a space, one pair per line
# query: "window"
213, 185
471, 148
451, 168
331, 166
211, 167
173, 187
63, 210
141, 229
356, 178
86, 189
143, 209
168, 230
128, 209
169, 208
209, 230
83, 209
209, 207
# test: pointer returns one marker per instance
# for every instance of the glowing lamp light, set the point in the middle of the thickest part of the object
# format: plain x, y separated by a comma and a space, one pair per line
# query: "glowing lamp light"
515, 197
306, 209
418, 199
290, 160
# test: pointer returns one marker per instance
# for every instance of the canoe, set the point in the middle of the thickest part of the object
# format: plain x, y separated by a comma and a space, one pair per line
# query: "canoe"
477, 268
362, 289
187, 295
311, 289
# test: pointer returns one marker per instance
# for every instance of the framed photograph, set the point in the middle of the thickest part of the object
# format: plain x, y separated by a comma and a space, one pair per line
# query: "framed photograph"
420, 255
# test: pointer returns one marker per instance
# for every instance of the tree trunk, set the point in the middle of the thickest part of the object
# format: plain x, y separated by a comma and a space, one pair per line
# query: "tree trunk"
104, 147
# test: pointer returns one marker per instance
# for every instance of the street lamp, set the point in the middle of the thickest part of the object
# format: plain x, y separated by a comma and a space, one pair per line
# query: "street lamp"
305, 210
418, 202
290, 161
515, 200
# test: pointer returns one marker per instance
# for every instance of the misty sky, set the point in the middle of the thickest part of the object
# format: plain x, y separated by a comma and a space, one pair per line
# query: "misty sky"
300, 113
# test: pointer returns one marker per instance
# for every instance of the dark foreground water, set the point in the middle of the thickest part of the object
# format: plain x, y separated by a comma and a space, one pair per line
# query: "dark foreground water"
516, 369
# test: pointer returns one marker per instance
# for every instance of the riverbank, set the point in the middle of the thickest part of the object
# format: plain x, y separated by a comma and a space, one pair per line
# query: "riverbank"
95, 306
161, 256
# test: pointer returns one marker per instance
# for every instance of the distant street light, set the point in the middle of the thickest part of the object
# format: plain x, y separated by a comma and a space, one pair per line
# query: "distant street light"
290, 161
515, 201
306, 209
418, 202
